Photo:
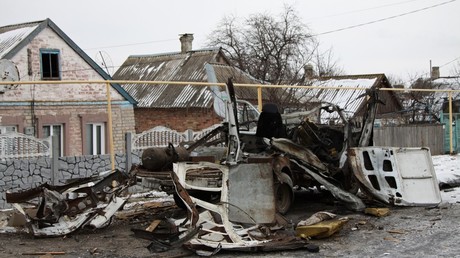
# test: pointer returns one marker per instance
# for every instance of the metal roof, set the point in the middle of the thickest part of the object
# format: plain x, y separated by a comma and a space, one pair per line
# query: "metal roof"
188, 67
351, 101
11, 36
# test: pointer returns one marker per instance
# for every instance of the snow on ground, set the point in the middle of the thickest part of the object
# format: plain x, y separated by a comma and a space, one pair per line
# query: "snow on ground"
447, 168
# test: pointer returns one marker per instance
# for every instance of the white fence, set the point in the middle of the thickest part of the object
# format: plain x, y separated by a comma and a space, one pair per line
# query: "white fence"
161, 136
17, 146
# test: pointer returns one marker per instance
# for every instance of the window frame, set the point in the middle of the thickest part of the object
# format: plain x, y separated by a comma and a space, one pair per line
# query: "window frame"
51, 53
61, 137
56, 119
97, 136
93, 119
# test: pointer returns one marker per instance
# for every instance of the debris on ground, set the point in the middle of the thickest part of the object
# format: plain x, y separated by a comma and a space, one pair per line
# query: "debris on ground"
50, 210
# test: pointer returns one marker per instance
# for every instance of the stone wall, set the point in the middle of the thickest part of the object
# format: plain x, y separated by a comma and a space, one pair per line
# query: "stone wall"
22, 174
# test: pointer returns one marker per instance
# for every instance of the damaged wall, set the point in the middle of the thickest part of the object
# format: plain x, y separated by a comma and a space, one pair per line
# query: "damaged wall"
27, 173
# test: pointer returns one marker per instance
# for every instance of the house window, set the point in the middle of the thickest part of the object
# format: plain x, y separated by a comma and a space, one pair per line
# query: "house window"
50, 64
95, 139
51, 130
8, 129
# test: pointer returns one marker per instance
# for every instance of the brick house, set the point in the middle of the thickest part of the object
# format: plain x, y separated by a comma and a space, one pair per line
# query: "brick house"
77, 113
180, 107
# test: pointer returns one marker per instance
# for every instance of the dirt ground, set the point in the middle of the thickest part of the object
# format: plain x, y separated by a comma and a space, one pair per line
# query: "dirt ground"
406, 232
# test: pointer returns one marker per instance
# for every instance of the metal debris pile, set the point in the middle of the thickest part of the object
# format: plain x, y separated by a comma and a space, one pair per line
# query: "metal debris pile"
237, 202
57, 210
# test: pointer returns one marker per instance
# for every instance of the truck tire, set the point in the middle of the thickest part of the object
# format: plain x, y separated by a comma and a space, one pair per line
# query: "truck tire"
284, 195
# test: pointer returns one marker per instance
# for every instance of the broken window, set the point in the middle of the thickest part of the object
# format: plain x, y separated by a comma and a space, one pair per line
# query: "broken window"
50, 64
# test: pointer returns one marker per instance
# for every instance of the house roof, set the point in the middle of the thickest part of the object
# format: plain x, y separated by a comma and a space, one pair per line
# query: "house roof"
177, 66
444, 83
352, 101
447, 83
15, 37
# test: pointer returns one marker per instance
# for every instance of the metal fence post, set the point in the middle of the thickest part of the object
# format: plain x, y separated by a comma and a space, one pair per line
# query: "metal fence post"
129, 154
54, 158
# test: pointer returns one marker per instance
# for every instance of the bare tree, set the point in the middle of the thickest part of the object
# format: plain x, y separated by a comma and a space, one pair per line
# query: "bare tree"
272, 49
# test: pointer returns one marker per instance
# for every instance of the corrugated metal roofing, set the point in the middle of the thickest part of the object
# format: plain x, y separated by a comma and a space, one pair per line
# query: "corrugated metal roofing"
349, 100
188, 67
11, 36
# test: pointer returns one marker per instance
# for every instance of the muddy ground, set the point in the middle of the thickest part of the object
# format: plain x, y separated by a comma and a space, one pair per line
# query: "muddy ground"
406, 232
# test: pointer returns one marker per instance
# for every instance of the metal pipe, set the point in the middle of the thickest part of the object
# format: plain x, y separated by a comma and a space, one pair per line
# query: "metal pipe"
259, 98
109, 125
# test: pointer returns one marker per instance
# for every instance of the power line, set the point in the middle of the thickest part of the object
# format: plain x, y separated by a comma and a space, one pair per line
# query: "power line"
132, 44
383, 19
363, 10
450, 62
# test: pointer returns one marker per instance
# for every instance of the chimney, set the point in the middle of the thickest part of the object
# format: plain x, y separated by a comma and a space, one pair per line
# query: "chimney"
309, 71
435, 72
186, 42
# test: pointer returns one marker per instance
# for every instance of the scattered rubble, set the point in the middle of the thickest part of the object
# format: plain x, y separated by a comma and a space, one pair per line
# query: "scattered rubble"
237, 202
51, 211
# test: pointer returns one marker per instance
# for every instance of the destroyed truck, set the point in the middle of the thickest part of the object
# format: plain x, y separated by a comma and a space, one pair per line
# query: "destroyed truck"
262, 151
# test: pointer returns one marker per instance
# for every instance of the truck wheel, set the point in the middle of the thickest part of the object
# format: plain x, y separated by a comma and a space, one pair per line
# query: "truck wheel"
284, 195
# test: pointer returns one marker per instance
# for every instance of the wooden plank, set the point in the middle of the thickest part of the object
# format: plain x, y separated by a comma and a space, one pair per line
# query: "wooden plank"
153, 225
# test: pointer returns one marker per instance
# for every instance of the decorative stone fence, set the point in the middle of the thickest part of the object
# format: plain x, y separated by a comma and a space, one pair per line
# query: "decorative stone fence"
35, 165
20, 174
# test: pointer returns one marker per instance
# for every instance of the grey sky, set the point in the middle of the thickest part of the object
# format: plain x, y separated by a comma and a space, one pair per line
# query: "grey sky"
396, 37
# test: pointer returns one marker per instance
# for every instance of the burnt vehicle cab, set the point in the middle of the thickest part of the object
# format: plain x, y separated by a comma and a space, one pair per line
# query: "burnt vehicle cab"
253, 146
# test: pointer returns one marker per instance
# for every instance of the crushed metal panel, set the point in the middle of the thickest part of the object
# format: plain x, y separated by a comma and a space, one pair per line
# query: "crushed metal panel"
313, 167
72, 206
249, 188
103, 218
399, 176
251, 194
217, 229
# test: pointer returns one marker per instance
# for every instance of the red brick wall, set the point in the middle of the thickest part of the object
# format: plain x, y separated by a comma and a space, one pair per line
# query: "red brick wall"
177, 119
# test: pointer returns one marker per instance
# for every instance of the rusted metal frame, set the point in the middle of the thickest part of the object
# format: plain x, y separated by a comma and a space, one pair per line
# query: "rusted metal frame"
300, 152
23, 196
309, 162
192, 212
104, 212
351, 201
182, 176
63, 227
221, 209
228, 235
368, 125
97, 213
205, 138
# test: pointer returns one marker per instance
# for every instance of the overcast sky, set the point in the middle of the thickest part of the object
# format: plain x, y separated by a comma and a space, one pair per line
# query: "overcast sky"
395, 37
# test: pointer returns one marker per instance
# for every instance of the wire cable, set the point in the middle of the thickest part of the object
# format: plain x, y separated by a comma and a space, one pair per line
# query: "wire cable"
383, 19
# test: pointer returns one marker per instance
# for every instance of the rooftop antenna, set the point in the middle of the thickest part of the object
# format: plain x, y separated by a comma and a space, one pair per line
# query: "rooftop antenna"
103, 60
